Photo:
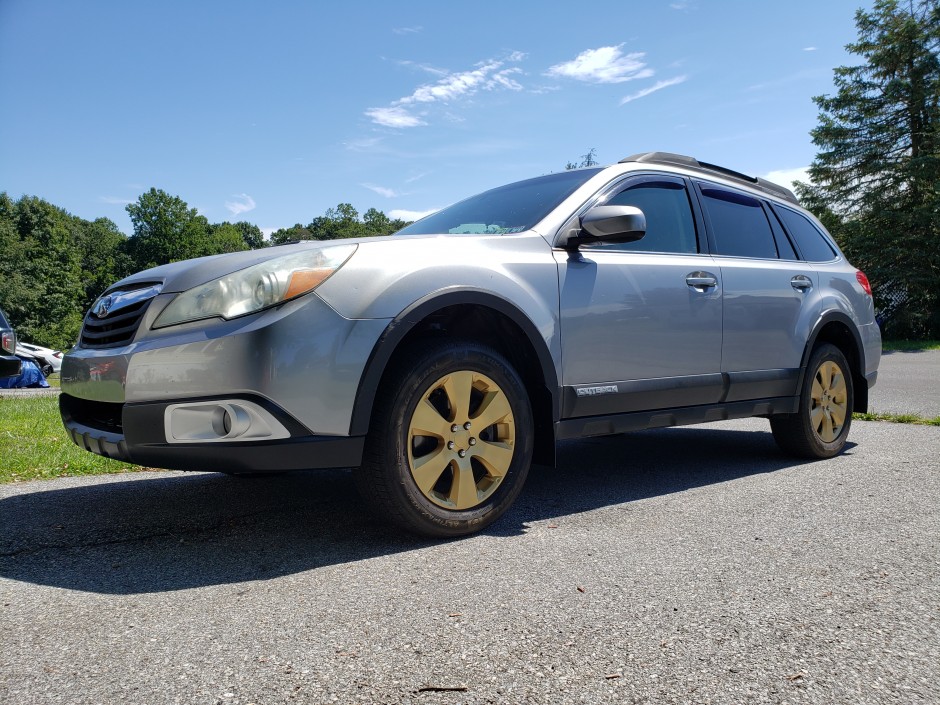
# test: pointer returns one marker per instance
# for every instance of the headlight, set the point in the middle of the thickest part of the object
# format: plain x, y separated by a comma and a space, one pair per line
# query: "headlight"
267, 284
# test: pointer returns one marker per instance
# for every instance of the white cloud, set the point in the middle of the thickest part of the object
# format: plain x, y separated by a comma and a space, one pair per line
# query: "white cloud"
267, 232
115, 201
786, 177
402, 214
381, 190
364, 144
809, 48
416, 177
427, 68
487, 75
797, 77
465, 83
501, 79
407, 30
394, 116
240, 203
603, 65
658, 86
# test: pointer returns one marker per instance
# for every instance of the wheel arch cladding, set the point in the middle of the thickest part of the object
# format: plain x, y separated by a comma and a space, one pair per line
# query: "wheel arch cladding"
482, 317
839, 330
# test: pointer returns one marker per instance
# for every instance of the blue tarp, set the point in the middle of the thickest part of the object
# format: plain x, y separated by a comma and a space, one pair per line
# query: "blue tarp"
30, 376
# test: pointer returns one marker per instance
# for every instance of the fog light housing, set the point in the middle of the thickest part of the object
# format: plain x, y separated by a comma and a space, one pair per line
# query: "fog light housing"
220, 420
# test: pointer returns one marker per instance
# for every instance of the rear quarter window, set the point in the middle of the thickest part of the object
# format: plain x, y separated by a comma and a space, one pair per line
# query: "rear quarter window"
811, 242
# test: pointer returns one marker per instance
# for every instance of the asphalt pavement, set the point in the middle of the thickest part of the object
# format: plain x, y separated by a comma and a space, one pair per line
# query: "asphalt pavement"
686, 565
908, 383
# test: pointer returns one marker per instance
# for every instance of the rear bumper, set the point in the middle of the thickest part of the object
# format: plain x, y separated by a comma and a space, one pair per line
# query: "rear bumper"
134, 433
9, 366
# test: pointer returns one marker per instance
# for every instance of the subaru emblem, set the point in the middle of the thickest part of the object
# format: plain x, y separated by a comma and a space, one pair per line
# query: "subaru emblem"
102, 307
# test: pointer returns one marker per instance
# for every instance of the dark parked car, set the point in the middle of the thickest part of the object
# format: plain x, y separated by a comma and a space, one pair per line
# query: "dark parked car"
9, 362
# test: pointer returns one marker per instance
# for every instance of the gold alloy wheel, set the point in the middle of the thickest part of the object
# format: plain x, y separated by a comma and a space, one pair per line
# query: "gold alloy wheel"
461, 439
830, 401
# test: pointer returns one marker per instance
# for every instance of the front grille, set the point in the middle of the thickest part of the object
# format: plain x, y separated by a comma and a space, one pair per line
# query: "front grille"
118, 324
99, 415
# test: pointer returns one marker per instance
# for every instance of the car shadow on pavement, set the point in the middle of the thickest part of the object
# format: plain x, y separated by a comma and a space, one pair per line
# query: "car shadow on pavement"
138, 534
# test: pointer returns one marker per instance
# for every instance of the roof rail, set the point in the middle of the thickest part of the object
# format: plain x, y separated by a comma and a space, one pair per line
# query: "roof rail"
704, 167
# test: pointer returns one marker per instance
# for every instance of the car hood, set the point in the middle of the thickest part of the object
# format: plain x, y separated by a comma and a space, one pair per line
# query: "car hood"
180, 276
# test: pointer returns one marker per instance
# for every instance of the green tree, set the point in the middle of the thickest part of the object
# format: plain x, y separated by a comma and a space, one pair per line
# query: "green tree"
291, 234
340, 222
343, 221
876, 178
104, 261
251, 234
166, 230
40, 271
225, 237
589, 159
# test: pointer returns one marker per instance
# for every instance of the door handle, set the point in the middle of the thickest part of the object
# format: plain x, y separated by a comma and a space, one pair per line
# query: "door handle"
801, 283
701, 280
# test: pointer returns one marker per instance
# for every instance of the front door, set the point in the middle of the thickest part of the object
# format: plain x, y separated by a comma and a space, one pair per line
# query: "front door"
641, 322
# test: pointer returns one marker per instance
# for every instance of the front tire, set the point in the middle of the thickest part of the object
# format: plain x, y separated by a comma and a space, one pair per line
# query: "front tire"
451, 440
820, 428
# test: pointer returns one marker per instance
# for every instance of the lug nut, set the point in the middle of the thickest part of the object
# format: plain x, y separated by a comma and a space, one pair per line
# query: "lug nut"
462, 453
454, 428
450, 445
466, 426
472, 441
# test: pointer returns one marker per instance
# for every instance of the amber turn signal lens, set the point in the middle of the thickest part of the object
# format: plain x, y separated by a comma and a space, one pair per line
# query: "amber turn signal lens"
303, 281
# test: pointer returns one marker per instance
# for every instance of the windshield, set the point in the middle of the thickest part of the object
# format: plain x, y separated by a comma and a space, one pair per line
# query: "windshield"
504, 210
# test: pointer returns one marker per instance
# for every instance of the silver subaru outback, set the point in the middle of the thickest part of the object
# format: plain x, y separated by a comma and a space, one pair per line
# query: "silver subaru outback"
442, 361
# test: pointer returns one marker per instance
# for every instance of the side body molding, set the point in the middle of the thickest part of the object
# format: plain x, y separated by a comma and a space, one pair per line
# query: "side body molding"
402, 324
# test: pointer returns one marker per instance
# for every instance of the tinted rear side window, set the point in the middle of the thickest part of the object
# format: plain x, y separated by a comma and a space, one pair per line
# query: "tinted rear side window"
738, 224
812, 243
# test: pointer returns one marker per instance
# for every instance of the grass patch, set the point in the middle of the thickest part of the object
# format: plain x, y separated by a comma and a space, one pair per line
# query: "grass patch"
909, 345
34, 445
898, 418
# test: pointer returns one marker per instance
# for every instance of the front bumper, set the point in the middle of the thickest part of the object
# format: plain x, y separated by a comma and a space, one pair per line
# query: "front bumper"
134, 433
298, 365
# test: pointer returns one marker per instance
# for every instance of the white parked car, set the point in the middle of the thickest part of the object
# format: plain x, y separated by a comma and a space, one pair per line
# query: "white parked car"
49, 360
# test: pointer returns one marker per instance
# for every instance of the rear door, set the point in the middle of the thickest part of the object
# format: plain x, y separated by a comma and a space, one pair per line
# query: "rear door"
770, 296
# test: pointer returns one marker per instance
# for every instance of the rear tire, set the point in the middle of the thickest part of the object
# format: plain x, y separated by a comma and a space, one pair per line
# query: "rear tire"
820, 428
451, 440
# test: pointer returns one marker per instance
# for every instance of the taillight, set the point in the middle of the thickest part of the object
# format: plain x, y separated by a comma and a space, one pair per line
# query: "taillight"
9, 341
863, 280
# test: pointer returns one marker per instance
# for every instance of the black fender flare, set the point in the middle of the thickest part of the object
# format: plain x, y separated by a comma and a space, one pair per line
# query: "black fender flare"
824, 320
416, 312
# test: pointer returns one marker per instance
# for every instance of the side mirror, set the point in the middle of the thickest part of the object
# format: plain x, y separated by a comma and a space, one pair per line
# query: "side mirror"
609, 224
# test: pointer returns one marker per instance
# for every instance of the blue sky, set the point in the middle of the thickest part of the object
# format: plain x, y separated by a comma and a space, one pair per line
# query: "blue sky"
274, 112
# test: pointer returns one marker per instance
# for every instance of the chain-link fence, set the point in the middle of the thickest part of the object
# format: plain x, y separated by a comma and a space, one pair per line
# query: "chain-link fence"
890, 299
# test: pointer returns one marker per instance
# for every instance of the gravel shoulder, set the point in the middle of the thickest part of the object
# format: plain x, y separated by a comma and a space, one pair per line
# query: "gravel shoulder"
689, 565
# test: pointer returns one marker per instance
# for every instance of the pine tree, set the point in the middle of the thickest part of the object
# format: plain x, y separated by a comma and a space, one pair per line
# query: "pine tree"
876, 178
